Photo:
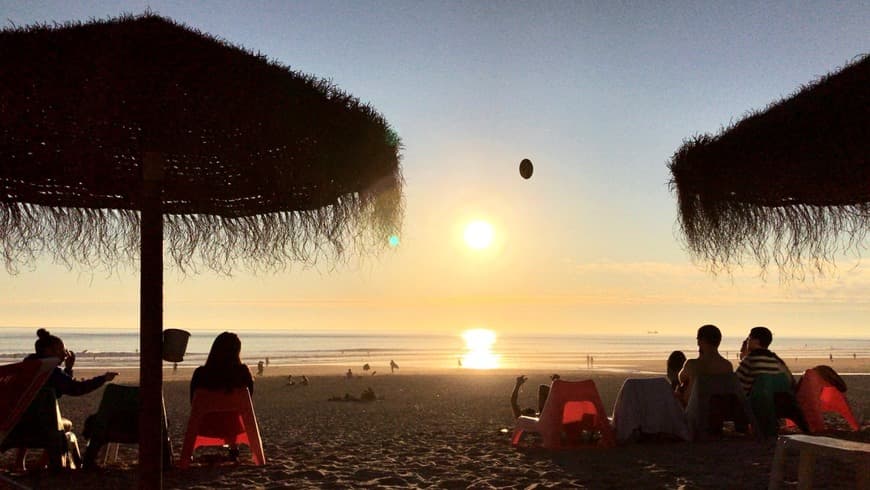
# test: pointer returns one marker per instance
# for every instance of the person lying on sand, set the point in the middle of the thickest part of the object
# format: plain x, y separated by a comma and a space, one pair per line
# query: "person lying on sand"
368, 395
543, 392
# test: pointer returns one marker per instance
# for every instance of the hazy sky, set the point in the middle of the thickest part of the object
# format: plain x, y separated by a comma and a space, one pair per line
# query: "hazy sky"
597, 94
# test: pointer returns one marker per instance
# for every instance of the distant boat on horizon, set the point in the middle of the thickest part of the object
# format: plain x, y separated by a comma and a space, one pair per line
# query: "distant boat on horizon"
652, 332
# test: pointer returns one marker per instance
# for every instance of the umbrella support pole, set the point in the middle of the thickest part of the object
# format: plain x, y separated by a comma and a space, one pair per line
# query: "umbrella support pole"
151, 329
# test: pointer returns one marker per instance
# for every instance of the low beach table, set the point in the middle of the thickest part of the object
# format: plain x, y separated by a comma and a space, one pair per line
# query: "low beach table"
812, 446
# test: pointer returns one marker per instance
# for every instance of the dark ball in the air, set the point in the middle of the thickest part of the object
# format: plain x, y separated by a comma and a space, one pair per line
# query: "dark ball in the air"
526, 168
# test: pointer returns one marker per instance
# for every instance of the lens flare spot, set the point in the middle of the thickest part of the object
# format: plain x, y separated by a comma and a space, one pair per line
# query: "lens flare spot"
394, 241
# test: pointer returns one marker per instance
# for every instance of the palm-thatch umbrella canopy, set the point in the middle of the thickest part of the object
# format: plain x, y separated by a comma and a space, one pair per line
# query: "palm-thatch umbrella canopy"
790, 184
115, 131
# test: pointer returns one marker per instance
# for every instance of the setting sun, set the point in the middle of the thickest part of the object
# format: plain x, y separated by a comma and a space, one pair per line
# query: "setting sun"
479, 343
479, 234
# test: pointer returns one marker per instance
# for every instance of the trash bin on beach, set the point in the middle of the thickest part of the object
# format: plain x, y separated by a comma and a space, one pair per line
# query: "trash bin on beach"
174, 344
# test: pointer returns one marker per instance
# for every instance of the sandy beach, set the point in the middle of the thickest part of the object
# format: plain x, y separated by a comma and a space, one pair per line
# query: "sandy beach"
431, 429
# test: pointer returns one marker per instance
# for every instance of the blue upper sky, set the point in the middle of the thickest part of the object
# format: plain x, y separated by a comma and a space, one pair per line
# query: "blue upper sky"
597, 94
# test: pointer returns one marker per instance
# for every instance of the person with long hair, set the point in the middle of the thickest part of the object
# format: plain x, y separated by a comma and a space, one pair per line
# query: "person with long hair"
224, 371
674, 365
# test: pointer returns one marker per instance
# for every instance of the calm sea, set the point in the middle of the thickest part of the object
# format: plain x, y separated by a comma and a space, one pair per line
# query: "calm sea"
119, 348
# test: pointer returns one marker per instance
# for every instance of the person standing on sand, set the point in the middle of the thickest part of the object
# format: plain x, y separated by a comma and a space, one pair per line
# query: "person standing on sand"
393, 366
760, 360
709, 361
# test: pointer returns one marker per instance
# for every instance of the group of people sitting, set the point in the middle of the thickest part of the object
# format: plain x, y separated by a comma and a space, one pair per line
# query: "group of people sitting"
755, 359
223, 370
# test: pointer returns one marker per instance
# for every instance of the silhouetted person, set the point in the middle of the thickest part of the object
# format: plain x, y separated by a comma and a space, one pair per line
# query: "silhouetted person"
393, 366
674, 365
224, 370
260, 368
708, 362
49, 346
760, 359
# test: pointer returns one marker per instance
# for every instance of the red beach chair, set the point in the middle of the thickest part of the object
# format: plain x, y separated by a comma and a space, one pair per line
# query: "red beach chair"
815, 395
573, 415
19, 384
29, 414
218, 418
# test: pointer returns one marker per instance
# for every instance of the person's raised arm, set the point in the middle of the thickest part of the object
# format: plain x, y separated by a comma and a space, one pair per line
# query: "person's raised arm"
514, 405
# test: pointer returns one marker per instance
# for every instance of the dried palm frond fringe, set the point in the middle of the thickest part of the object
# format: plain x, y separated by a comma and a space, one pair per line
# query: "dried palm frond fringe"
355, 226
788, 186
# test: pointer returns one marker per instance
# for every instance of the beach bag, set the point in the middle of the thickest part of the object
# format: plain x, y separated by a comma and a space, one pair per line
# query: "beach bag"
828, 374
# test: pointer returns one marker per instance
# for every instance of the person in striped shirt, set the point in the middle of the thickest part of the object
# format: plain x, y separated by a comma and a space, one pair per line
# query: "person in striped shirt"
760, 359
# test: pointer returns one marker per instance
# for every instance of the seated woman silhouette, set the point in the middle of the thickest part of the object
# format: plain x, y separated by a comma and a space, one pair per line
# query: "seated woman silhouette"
61, 380
675, 364
223, 370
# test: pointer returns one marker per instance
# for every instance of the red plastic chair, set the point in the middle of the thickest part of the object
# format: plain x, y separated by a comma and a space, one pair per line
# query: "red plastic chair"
816, 396
572, 409
19, 384
218, 418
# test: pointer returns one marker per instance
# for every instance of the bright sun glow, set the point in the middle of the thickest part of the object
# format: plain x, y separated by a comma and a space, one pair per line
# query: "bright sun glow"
479, 234
479, 343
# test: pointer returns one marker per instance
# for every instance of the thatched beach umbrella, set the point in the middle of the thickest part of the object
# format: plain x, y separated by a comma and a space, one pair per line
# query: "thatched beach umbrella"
115, 134
789, 184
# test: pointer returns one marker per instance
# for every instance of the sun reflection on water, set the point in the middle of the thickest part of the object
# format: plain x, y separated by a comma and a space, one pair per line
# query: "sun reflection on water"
479, 342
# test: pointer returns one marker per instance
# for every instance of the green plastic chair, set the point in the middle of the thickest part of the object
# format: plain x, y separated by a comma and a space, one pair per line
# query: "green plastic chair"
117, 421
772, 398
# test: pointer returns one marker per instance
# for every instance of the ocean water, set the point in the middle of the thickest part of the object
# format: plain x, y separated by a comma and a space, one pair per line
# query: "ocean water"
119, 348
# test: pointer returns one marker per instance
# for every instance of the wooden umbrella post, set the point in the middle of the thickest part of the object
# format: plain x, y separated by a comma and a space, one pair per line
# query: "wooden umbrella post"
151, 327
